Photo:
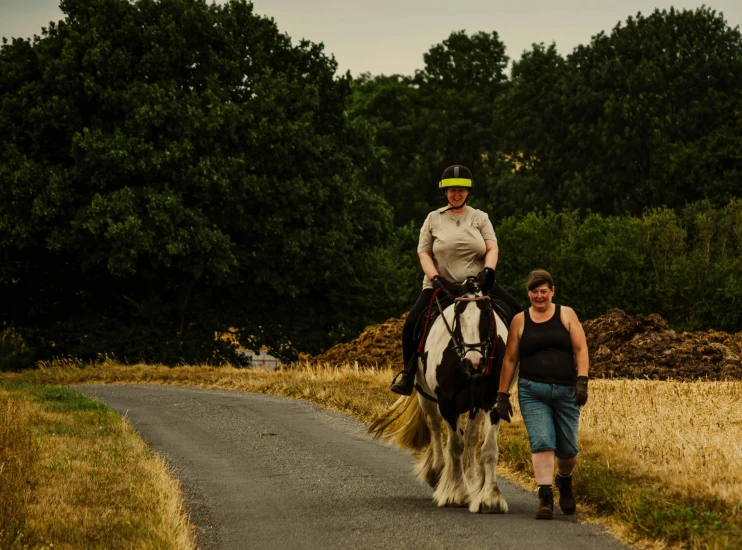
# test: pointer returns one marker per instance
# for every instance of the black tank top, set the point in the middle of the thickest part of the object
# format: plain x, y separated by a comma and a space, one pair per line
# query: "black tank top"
546, 351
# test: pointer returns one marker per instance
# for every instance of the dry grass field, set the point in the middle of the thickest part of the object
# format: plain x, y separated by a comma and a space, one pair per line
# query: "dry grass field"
73, 474
660, 461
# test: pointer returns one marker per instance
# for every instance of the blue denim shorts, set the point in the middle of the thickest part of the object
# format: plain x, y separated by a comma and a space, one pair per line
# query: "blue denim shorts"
551, 417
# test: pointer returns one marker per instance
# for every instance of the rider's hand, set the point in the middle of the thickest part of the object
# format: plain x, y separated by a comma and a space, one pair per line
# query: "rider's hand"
436, 282
581, 391
504, 409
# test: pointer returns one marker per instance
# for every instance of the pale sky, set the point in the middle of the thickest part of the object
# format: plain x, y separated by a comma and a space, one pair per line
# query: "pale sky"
390, 36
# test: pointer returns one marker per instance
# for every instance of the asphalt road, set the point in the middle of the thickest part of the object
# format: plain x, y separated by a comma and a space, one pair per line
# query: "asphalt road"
267, 472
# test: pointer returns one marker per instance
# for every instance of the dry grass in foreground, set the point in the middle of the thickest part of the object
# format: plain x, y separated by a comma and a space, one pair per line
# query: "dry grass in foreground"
74, 474
663, 458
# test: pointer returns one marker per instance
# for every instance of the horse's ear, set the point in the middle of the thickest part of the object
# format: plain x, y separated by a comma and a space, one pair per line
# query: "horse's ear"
454, 289
486, 280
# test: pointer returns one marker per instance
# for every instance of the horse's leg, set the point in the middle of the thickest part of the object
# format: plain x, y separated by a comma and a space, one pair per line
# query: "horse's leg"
486, 496
430, 462
452, 488
471, 440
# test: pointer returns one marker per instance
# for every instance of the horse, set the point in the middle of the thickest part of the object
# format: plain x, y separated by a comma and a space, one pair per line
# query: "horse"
458, 373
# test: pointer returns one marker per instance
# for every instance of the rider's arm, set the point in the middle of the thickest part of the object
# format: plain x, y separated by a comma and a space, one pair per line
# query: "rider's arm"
426, 260
490, 257
511, 353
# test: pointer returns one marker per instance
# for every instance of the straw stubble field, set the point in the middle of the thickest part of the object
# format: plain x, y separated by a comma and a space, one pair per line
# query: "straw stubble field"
660, 461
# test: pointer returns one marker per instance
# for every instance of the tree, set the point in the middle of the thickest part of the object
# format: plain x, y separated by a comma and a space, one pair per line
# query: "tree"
443, 115
171, 169
649, 115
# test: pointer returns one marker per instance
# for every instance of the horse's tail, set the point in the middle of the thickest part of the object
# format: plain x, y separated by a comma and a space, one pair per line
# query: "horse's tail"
403, 424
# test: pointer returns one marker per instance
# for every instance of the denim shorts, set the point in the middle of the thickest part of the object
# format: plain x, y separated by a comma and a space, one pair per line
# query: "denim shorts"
551, 417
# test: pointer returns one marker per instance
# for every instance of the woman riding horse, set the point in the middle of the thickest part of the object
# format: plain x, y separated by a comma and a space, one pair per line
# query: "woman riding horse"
456, 242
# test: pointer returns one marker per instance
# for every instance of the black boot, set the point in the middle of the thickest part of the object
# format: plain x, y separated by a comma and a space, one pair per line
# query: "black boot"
404, 382
566, 498
545, 502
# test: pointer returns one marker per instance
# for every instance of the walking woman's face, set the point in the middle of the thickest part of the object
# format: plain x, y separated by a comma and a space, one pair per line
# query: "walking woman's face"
456, 195
541, 297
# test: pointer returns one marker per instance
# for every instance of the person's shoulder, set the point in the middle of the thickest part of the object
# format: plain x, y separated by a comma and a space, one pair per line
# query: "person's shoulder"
569, 314
479, 213
518, 319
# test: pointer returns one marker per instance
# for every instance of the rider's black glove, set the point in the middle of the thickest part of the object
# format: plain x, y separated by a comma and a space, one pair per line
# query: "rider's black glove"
581, 391
504, 409
436, 282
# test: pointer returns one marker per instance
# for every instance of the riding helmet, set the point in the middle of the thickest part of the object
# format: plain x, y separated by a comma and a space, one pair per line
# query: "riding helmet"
455, 176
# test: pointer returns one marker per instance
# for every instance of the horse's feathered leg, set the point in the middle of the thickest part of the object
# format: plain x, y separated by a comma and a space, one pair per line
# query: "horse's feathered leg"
452, 489
430, 462
485, 496
471, 440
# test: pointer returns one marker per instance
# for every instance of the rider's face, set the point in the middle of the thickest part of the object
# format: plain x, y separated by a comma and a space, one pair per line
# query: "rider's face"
456, 195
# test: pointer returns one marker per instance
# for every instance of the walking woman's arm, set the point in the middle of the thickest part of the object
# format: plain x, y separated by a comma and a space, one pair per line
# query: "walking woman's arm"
511, 353
579, 342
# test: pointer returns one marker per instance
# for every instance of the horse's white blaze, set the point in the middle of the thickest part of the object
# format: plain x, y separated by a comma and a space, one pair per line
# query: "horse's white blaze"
469, 321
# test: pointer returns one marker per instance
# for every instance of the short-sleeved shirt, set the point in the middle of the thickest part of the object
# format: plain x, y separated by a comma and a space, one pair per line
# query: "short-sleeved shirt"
456, 242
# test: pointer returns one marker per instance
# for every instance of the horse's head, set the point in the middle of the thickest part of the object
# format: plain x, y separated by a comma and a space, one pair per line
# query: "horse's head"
472, 321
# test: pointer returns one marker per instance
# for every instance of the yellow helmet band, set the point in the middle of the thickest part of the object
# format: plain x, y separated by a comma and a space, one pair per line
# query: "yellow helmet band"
454, 182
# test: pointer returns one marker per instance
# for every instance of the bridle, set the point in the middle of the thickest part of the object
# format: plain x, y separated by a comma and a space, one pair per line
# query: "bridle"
486, 348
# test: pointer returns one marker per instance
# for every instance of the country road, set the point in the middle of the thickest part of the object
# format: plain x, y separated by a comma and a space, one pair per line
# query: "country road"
268, 472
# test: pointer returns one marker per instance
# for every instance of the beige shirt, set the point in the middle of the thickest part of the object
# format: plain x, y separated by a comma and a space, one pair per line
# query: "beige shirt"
456, 242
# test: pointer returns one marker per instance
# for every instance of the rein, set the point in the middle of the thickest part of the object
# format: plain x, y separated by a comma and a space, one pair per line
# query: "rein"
462, 348
486, 350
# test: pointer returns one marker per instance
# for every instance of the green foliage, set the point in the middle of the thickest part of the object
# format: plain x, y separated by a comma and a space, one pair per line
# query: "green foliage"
15, 353
647, 116
687, 267
172, 169
443, 115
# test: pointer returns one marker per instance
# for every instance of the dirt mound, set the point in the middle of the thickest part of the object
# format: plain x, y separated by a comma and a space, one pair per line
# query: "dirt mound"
621, 346
638, 346
378, 345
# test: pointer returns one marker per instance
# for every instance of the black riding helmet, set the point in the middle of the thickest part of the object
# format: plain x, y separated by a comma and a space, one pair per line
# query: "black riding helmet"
456, 176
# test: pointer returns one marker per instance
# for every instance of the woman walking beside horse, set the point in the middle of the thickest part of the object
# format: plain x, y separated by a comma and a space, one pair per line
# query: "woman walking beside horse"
550, 344
456, 242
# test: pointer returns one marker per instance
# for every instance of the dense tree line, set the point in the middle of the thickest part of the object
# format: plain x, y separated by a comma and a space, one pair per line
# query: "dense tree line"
647, 116
684, 264
171, 170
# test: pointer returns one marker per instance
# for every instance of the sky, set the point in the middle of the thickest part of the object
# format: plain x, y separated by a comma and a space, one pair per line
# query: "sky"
391, 36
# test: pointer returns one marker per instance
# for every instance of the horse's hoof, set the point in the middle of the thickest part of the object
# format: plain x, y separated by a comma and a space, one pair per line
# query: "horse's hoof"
493, 506
452, 503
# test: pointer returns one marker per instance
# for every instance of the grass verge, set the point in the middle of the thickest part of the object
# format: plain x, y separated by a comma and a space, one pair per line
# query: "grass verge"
74, 474
656, 474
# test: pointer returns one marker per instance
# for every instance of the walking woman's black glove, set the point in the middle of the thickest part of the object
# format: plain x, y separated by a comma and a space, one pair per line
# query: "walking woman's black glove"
504, 409
581, 391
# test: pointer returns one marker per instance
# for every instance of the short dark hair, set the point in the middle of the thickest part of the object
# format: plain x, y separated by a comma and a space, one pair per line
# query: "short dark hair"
539, 277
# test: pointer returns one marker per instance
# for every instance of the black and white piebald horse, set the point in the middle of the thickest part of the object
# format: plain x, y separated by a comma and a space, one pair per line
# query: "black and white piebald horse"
458, 373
